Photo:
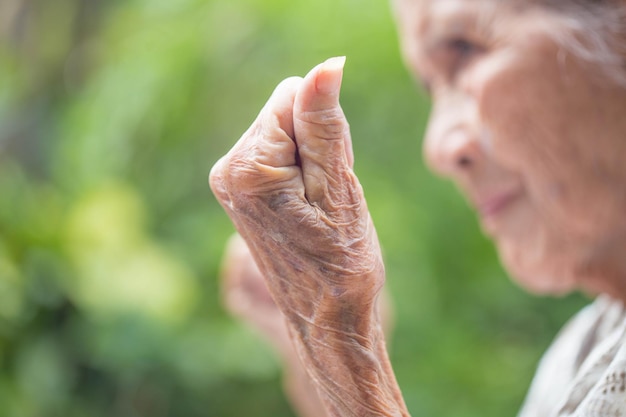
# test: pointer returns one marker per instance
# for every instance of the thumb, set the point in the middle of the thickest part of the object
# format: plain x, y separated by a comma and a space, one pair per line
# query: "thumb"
321, 131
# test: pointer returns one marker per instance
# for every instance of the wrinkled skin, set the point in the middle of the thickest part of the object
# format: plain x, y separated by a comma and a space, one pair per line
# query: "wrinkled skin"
533, 137
289, 188
246, 297
530, 134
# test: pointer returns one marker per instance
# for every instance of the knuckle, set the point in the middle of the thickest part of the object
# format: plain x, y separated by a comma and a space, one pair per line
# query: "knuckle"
217, 180
236, 174
230, 176
231, 172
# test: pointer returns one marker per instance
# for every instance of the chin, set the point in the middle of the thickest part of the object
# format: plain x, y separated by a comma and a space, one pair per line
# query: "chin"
545, 284
537, 270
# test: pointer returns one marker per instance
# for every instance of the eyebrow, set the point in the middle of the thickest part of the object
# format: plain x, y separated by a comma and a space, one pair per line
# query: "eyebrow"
458, 21
450, 23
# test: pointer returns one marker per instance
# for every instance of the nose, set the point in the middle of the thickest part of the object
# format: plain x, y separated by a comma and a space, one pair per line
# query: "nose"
452, 146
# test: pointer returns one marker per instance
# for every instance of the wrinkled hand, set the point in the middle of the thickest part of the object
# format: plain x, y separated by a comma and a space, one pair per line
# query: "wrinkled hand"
245, 296
289, 188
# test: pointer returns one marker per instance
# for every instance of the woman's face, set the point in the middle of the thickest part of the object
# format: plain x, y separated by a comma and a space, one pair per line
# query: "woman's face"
533, 137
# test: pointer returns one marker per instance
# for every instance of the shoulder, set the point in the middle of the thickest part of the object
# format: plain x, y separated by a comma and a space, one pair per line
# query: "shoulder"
599, 387
586, 352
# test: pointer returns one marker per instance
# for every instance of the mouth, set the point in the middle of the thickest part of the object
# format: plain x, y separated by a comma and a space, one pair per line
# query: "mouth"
491, 206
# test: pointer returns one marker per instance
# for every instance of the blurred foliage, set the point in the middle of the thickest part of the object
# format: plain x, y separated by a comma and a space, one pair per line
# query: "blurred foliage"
111, 115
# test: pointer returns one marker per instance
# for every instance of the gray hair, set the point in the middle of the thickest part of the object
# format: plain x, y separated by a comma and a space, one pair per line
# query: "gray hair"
595, 32
592, 30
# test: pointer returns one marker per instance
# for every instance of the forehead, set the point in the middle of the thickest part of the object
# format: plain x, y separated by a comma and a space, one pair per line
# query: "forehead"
422, 22
424, 16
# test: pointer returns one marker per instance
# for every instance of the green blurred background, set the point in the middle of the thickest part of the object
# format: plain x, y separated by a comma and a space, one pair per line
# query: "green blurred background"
112, 113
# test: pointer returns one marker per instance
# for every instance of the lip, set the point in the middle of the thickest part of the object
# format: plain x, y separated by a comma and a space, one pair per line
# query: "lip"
491, 205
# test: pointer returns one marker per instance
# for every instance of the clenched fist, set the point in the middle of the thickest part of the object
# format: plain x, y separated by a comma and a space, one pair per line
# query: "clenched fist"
289, 188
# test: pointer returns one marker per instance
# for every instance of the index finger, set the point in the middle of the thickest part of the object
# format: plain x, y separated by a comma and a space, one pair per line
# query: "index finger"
264, 158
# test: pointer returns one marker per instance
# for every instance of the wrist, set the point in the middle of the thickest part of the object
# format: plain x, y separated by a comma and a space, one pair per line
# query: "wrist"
351, 370
344, 305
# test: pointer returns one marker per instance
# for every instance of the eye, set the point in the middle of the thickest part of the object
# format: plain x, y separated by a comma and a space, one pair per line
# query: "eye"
456, 53
445, 57
461, 47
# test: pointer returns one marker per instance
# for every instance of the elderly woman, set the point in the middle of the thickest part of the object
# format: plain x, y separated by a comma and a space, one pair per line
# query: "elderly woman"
528, 119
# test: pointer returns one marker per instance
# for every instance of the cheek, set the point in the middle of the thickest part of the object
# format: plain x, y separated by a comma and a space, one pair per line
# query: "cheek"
527, 119
520, 97
539, 129
505, 107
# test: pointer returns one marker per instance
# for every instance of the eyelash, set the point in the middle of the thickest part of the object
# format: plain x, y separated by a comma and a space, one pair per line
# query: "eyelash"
458, 52
460, 45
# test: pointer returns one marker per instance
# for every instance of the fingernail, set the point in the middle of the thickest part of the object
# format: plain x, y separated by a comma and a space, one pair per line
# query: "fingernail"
330, 74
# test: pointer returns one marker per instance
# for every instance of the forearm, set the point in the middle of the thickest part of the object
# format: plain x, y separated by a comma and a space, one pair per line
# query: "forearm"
335, 324
350, 370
